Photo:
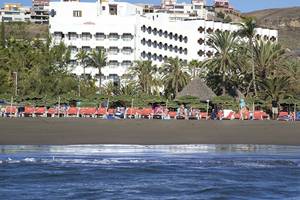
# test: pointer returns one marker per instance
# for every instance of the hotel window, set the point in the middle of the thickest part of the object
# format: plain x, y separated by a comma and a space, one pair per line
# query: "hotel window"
201, 41
86, 36
72, 36
86, 48
201, 29
58, 35
77, 13
73, 49
100, 36
127, 50
113, 63
113, 36
127, 36
100, 48
113, 9
126, 63
201, 53
113, 50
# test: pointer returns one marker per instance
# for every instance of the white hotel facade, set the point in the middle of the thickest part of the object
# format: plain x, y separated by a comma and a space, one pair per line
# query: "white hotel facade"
127, 33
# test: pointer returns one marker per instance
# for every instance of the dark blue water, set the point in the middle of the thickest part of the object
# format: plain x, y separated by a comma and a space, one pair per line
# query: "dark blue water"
150, 172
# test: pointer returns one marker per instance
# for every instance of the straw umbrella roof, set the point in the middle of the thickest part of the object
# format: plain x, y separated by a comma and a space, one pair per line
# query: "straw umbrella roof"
197, 88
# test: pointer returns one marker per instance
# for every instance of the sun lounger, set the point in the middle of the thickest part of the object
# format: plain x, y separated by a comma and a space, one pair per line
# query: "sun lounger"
260, 115
72, 112
131, 113
147, 113
203, 115
297, 116
10, 110
101, 112
29, 111
87, 112
284, 116
39, 111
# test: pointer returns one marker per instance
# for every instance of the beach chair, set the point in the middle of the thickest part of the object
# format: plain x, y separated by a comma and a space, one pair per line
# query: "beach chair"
11, 111
87, 112
147, 113
172, 114
29, 111
131, 113
228, 115
257, 115
194, 115
40, 111
72, 112
237, 116
284, 116
203, 115
297, 116
101, 112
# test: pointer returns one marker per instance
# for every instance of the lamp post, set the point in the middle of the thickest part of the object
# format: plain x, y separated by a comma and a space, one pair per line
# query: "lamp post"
16, 83
207, 107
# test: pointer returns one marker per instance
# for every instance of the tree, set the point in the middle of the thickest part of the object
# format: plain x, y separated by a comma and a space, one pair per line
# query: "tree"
2, 33
98, 60
267, 57
247, 30
275, 87
194, 67
224, 43
145, 72
174, 75
83, 58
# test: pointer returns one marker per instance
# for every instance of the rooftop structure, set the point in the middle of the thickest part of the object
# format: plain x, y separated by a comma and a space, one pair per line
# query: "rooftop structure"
127, 33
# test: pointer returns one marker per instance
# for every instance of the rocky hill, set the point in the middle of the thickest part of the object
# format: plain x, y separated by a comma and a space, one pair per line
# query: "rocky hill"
285, 20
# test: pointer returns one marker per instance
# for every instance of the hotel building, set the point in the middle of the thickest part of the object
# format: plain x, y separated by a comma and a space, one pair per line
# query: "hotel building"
127, 33
14, 12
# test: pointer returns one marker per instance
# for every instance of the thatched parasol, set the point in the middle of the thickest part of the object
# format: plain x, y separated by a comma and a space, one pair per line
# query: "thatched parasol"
197, 88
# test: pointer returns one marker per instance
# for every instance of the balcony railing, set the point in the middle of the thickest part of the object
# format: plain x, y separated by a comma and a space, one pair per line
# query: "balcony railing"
127, 37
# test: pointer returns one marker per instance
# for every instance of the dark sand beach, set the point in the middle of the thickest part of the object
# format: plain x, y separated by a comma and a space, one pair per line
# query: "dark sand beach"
96, 131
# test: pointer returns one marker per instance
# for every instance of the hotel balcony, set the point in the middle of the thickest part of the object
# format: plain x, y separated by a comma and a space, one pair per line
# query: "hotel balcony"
113, 63
127, 37
100, 36
86, 49
86, 36
113, 36
126, 63
72, 36
113, 50
127, 50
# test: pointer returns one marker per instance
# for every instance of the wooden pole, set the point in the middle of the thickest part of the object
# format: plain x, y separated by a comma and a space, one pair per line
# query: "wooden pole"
58, 107
11, 105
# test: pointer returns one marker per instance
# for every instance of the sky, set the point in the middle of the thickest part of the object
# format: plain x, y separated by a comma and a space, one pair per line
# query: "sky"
242, 5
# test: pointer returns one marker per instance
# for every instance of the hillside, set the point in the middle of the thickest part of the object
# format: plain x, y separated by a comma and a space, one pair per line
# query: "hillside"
285, 20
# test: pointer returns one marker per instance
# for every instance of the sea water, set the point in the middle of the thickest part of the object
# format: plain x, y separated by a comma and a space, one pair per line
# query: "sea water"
150, 172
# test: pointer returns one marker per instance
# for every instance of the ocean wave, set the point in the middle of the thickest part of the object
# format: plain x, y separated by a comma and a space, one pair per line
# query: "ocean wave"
141, 149
54, 160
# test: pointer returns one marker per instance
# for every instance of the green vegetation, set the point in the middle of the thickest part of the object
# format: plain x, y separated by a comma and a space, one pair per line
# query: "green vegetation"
34, 71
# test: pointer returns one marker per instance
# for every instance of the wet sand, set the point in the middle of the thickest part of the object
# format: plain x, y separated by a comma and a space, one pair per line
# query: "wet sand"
63, 131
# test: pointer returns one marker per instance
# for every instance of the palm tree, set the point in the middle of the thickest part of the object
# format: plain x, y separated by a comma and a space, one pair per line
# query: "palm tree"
194, 66
83, 58
275, 87
247, 30
98, 60
267, 57
145, 72
174, 75
224, 43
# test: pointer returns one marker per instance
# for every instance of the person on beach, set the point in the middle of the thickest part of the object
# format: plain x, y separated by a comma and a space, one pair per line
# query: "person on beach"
274, 109
182, 112
242, 109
